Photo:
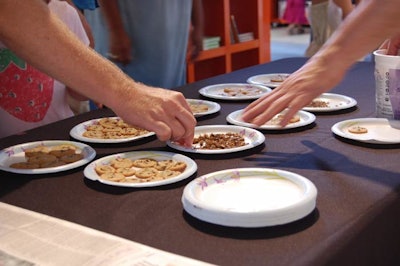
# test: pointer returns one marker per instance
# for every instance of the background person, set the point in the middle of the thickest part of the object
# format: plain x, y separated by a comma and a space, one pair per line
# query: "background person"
44, 41
295, 15
30, 98
325, 17
148, 39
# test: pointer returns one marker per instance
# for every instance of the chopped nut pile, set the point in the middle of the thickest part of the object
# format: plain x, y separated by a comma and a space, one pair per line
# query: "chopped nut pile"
218, 141
318, 103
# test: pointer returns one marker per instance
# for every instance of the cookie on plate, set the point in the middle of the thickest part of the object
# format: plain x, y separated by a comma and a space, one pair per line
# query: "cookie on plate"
25, 165
146, 173
144, 163
358, 130
38, 150
102, 169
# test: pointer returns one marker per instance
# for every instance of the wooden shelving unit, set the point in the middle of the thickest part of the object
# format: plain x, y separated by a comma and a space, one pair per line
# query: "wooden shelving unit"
251, 16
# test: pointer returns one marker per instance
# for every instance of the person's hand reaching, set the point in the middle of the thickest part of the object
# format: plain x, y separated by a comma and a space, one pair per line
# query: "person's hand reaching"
298, 90
164, 112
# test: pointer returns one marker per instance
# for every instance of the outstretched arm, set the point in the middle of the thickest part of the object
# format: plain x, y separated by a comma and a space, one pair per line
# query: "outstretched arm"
45, 42
361, 32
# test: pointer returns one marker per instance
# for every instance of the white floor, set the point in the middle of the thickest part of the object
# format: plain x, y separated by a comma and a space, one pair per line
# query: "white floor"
284, 45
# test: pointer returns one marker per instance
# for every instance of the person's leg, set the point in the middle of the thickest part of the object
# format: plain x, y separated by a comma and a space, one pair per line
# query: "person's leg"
318, 19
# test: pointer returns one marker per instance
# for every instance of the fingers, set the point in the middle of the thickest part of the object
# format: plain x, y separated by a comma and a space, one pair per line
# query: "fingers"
391, 45
175, 122
186, 117
179, 128
264, 109
393, 48
280, 100
165, 112
189, 122
385, 44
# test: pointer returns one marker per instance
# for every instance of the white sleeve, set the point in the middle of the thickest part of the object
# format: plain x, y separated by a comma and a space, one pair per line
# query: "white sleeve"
70, 17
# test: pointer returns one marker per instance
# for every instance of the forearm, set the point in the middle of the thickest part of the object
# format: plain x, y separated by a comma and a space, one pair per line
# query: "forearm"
362, 32
52, 45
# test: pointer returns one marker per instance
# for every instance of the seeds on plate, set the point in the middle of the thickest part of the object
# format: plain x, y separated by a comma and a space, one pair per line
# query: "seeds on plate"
245, 91
112, 128
49, 156
218, 141
318, 103
139, 170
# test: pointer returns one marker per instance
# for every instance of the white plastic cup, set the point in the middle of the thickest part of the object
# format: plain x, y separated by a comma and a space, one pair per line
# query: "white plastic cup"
387, 82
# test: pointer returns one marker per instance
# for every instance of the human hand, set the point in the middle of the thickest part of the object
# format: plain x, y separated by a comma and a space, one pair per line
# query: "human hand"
298, 90
164, 112
392, 45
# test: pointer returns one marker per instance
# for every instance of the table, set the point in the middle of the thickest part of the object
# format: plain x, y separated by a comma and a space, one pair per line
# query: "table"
356, 221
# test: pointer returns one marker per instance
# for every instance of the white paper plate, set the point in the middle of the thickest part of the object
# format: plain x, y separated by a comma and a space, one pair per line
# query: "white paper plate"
250, 197
335, 102
191, 167
217, 91
252, 137
379, 130
268, 79
213, 107
77, 133
16, 154
306, 118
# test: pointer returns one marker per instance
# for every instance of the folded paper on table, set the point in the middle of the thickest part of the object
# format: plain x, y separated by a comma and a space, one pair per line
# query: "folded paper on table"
31, 238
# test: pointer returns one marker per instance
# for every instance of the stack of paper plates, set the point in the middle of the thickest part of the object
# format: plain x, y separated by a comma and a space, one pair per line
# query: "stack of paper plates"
250, 197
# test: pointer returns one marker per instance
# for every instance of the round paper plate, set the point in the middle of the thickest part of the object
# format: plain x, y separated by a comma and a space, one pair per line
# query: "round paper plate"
251, 136
212, 107
269, 80
379, 130
191, 168
234, 91
77, 133
306, 118
16, 154
250, 197
331, 102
